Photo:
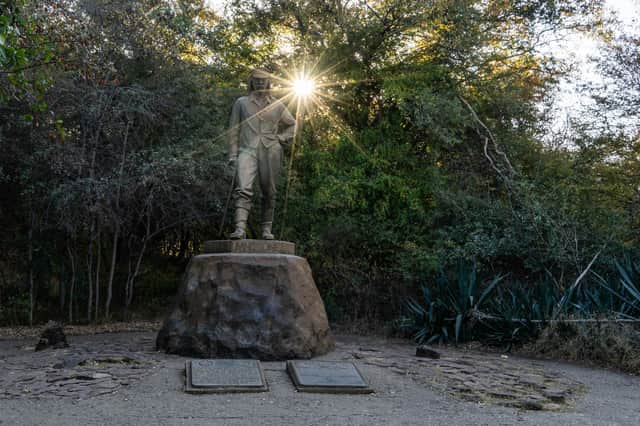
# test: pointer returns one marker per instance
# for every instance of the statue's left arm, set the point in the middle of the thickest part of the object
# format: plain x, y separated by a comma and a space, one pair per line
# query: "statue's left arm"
288, 123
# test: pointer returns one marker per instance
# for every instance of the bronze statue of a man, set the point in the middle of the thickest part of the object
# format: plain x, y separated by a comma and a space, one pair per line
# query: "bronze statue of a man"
260, 125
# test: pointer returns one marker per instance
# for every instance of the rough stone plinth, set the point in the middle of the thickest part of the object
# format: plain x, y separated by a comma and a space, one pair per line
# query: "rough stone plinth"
249, 246
261, 306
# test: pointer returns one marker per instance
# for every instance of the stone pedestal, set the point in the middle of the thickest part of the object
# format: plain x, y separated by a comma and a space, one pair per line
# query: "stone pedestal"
247, 304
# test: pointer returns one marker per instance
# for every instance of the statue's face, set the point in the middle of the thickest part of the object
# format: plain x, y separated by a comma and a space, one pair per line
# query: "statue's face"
260, 83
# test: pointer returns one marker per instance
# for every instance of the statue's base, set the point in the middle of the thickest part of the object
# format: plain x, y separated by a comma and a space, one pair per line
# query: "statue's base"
247, 304
249, 246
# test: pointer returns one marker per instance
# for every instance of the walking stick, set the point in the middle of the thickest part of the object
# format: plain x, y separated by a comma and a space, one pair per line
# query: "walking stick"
299, 117
226, 207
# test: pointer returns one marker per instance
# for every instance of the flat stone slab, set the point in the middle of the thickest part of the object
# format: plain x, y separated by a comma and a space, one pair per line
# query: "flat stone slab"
327, 377
224, 376
249, 246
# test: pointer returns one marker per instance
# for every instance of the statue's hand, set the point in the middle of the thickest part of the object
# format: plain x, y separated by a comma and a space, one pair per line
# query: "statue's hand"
285, 142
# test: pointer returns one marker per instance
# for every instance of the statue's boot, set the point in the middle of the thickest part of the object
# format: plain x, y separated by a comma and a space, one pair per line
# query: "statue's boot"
241, 216
268, 210
266, 231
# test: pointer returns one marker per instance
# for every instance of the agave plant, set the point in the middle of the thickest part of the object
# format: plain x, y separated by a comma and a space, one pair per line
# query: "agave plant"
460, 311
427, 318
519, 313
449, 312
626, 291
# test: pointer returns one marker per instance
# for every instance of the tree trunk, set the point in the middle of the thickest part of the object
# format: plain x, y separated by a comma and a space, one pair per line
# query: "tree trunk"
114, 253
116, 234
136, 271
97, 280
90, 274
133, 276
31, 283
126, 285
4, 282
72, 285
102, 103
62, 289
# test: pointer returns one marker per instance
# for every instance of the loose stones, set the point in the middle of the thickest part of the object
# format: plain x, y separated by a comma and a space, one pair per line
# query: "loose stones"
52, 337
327, 377
424, 351
483, 378
82, 371
224, 375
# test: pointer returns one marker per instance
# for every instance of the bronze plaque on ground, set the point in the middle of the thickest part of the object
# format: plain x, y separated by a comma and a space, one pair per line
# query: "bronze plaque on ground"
224, 375
327, 377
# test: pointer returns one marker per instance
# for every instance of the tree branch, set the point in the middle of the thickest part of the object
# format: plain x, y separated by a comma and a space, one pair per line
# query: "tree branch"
488, 137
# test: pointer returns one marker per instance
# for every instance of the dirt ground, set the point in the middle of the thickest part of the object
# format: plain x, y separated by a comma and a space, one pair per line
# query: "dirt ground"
118, 378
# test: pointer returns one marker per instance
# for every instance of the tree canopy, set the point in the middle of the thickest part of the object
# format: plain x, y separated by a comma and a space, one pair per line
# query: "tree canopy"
426, 144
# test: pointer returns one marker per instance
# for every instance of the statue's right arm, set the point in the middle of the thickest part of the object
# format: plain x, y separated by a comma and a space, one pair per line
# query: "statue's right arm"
234, 131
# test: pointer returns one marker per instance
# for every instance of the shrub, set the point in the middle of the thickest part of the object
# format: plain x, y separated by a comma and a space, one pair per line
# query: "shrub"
608, 344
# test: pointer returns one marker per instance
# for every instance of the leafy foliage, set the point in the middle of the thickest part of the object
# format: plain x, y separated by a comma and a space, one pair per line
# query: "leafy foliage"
427, 152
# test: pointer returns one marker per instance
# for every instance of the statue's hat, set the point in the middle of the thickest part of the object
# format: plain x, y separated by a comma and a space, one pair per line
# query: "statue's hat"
258, 73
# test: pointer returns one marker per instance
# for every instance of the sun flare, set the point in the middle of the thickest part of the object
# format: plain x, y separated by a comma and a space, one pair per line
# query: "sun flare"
303, 87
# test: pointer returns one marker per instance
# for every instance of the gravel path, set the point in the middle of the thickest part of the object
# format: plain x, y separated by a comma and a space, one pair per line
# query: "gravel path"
117, 378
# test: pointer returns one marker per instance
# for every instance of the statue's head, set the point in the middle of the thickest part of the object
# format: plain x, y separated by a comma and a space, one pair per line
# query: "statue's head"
259, 80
